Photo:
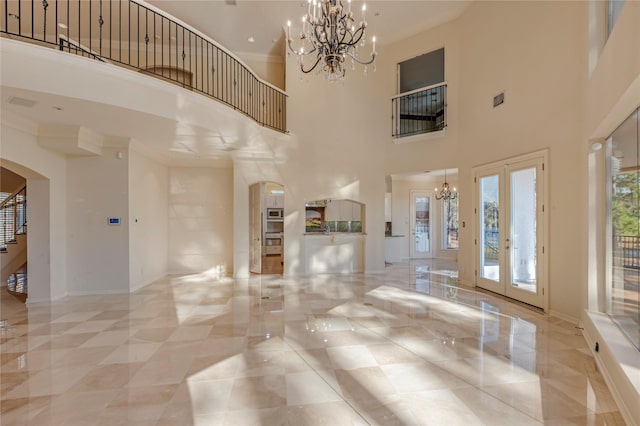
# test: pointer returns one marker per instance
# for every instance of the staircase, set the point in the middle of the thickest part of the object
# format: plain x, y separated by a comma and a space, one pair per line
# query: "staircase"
13, 241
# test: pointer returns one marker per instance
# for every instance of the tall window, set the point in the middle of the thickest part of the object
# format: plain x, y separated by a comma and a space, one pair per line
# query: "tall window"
450, 224
614, 7
623, 281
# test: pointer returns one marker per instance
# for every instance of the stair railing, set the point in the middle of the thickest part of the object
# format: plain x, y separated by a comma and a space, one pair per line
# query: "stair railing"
13, 216
139, 36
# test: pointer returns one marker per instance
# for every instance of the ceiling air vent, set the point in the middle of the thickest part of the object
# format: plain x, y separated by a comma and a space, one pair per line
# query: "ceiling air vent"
28, 103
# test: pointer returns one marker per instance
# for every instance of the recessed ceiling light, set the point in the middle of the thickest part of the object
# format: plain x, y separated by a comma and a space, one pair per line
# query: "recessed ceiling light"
251, 40
57, 108
63, 26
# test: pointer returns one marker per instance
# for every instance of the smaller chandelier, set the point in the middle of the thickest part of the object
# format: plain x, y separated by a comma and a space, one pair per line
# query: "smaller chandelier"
446, 192
329, 32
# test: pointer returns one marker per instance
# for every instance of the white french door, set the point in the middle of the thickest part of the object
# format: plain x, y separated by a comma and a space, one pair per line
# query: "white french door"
420, 224
510, 229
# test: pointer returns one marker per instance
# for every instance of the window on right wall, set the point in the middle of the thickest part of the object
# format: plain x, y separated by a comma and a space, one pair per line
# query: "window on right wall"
450, 223
623, 227
614, 7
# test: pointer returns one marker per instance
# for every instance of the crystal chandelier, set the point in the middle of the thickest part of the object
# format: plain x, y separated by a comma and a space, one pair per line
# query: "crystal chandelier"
445, 192
329, 32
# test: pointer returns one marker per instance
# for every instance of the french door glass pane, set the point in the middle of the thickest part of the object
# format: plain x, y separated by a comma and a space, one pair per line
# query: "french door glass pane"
522, 244
489, 232
422, 225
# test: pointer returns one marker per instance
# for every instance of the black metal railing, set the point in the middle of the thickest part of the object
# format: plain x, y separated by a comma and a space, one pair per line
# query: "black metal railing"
13, 216
626, 251
17, 285
143, 38
422, 110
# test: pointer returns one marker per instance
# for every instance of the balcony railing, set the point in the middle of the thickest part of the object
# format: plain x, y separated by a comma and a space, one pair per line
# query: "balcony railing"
13, 216
626, 251
146, 39
422, 110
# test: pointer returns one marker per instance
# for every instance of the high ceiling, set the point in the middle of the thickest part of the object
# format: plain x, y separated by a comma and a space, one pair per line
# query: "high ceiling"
230, 23
233, 22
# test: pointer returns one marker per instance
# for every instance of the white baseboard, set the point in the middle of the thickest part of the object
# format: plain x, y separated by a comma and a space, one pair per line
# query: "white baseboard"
146, 283
567, 318
98, 292
31, 300
617, 360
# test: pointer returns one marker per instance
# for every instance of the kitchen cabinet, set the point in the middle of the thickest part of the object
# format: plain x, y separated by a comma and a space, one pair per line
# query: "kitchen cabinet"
332, 211
274, 201
356, 212
343, 211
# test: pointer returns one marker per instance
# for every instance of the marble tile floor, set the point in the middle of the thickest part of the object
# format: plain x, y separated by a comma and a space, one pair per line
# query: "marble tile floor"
406, 347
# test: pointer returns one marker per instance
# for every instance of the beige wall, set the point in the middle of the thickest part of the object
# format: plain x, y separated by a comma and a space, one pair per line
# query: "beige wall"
337, 129
268, 68
148, 219
201, 215
334, 150
537, 53
97, 189
46, 179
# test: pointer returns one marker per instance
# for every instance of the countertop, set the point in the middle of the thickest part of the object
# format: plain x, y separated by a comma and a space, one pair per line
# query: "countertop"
322, 234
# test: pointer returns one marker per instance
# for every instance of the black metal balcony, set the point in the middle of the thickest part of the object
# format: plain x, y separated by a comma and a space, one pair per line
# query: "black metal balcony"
142, 38
422, 110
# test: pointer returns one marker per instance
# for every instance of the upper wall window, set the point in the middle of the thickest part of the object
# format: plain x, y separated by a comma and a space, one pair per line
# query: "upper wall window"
614, 7
421, 71
421, 105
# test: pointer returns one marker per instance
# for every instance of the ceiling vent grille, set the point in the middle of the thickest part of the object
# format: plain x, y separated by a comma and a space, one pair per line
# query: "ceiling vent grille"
27, 103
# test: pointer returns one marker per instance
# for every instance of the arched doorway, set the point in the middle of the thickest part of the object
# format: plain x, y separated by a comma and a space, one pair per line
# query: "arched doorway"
38, 236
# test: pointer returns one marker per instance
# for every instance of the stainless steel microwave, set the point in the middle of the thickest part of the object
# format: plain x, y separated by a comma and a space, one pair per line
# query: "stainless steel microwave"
275, 213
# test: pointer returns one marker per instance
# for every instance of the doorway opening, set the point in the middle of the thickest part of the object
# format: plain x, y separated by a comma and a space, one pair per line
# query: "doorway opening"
421, 225
266, 223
